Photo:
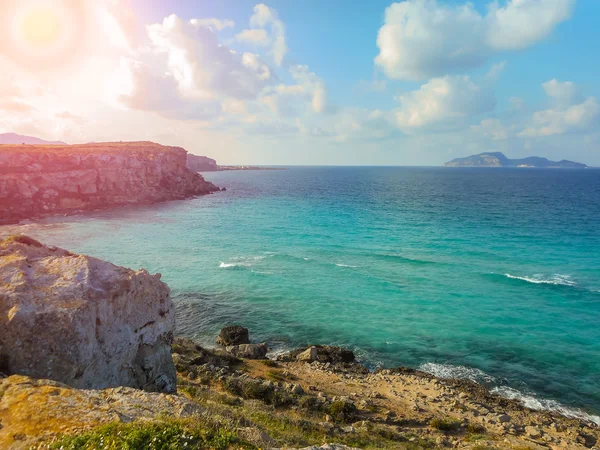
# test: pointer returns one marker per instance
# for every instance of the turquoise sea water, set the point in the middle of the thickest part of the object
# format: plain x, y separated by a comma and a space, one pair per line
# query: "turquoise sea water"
491, 274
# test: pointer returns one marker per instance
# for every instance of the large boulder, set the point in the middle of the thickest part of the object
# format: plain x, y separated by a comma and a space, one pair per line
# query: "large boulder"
249, 351
82, 321
233, 335
322, 353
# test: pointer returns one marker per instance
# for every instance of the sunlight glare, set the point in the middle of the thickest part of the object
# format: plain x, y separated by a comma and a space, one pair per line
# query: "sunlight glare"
41, 26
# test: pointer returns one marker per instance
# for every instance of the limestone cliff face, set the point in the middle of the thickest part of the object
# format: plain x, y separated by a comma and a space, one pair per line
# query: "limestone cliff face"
201, 163
40, 180
82, 321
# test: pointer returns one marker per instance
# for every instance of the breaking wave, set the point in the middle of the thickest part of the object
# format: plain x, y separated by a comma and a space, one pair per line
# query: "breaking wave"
556, 279
528, 400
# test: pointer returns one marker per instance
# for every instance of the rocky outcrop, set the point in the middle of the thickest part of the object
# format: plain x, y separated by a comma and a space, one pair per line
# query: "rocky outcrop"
323, 353
53, 408
248, 351
82, 321
201, 163
233, 335
40, 180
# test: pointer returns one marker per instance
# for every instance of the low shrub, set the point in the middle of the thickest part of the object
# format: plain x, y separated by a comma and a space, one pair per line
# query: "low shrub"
342, 411
448, 424
475, 428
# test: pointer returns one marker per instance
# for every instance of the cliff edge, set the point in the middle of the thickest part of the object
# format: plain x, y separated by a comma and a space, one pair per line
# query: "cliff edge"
37, 180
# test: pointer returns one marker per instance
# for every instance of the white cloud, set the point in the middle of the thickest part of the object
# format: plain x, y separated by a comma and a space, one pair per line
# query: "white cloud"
254, 36
564, 93
422, 39
313, 85
186, 73
215, 24
202, 66
443, 101
135, 86
522, 23
308, 95
493, 128
266, 30
569, 113
578, 117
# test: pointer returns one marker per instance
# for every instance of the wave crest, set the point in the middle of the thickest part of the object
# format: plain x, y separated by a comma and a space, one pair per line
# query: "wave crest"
556, 279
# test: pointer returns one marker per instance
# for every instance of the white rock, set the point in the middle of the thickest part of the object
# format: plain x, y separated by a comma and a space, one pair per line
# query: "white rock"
83, 321
309, 355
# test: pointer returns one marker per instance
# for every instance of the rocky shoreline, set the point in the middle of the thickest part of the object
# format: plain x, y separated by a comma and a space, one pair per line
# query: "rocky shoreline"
41, 180
88, 360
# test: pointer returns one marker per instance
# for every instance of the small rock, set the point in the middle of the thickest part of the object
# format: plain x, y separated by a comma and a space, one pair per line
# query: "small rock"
533, 432
326, 425
296, 389
503, 418
349, 429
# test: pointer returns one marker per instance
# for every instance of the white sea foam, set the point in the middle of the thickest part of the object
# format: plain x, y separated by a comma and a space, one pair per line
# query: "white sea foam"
462, 372
225, 265
243, 261
556, 279
540, 404
345, 265
528, 400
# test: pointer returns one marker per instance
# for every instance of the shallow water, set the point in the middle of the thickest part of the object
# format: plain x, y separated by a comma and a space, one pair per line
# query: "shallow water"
491, 274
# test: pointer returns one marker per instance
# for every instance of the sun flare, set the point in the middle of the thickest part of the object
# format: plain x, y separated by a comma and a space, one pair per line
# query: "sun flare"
44, 33
41, 26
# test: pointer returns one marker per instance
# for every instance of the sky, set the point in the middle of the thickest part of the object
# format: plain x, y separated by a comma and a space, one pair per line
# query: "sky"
335, 82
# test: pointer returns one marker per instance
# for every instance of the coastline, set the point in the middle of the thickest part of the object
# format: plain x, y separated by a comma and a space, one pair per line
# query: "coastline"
291, 402
151, 383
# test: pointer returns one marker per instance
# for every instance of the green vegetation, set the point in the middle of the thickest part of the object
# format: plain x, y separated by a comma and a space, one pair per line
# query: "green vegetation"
447, 424
342, 411
165, 435
298, 424
475, 428
477, 437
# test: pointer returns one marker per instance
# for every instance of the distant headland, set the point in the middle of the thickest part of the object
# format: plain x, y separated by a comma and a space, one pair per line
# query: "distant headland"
205, 164
497, 159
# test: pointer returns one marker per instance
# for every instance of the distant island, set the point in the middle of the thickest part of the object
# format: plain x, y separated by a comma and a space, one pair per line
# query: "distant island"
497, 159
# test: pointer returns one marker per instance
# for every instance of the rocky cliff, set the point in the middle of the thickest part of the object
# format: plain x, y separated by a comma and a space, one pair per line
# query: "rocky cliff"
201, 163
39, 180
82, 321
